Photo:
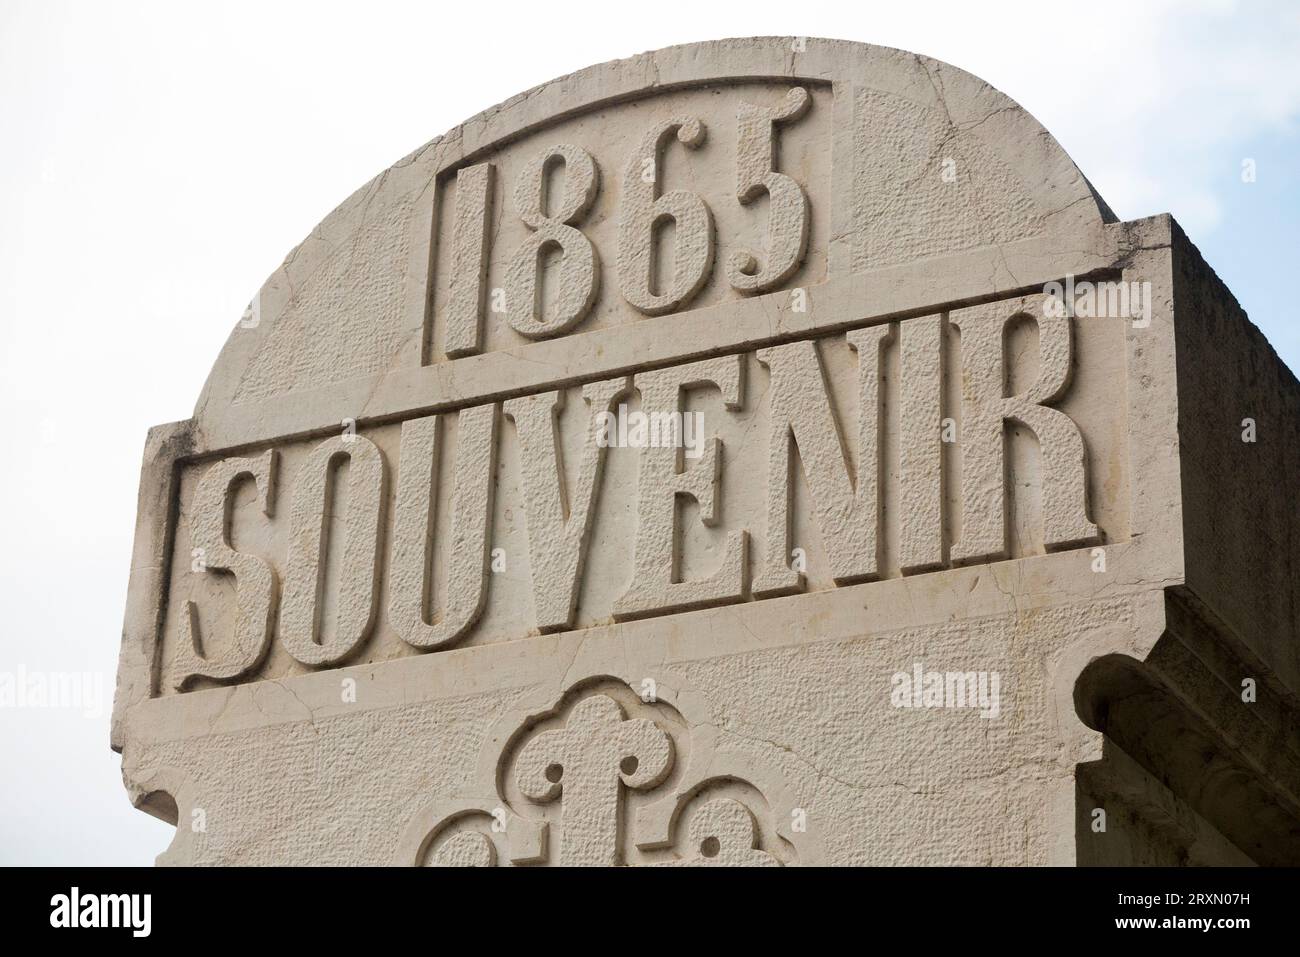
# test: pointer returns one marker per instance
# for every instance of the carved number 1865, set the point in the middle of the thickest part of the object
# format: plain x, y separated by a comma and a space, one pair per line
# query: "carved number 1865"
647, 285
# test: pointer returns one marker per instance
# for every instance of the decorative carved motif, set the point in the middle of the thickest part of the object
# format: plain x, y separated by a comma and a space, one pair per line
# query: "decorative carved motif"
565, 784
723, 833
589, 761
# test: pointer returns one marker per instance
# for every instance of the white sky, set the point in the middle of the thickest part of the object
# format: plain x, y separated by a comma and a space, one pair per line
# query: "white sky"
157, 161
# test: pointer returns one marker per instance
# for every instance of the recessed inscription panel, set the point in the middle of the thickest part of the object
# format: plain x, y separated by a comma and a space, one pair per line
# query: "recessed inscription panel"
902, 448
685, 201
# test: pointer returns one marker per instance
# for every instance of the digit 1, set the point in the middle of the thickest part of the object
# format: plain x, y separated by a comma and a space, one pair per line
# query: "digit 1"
469, 261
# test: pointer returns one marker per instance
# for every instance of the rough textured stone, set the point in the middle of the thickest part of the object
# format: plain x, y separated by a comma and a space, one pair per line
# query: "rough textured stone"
757, 452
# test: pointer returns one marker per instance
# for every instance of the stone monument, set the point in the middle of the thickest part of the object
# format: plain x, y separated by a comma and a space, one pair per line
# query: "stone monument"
763, 452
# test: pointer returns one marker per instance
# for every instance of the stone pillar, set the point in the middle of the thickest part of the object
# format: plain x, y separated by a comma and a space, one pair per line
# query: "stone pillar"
752, 452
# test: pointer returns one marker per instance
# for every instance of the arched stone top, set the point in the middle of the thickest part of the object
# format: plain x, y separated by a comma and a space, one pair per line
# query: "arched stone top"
902, 158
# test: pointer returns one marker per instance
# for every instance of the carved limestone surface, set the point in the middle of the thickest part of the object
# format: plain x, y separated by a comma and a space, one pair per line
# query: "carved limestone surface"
764, 451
